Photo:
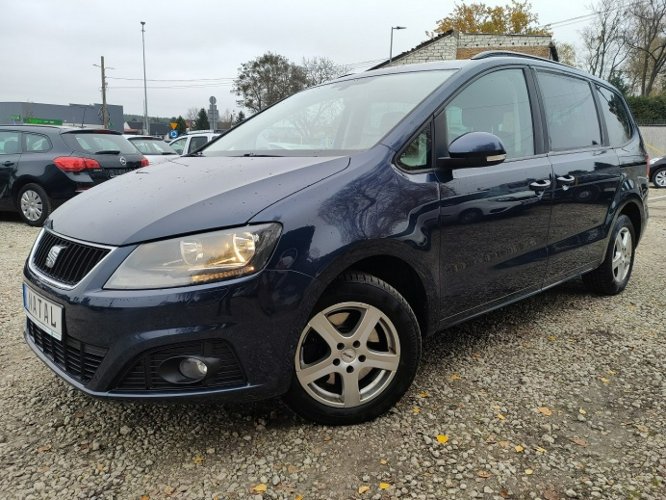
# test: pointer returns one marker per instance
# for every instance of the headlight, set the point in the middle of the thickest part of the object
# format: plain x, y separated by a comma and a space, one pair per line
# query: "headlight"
195, 259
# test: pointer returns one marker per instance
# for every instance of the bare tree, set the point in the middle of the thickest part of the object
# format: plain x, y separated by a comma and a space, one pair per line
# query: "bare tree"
646, 38
604, 43
192, 114
321, 69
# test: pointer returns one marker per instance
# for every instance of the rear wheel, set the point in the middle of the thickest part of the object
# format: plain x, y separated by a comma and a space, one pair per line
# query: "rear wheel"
33, 204
357, 355
659, 177
612, 276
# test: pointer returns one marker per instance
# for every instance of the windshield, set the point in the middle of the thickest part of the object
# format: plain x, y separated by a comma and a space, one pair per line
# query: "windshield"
99, 143
152, 146
350, 115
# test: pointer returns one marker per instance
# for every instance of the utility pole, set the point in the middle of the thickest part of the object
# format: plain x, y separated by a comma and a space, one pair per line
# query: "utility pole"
146, 125
105, 109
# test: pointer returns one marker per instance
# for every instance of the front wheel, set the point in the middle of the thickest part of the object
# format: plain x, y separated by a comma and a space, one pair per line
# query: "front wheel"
357, 355
33, 204
612, 276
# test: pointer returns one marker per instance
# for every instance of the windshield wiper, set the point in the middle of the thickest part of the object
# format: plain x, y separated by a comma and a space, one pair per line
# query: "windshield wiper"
107, 152
255, 155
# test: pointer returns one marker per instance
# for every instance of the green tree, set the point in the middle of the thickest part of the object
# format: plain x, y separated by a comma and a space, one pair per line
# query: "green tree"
201, 123
266, 80
181, 126
515, 18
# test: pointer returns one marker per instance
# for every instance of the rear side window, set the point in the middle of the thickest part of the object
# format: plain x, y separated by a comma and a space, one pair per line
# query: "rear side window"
9, 143
616, 116
197, 142
99, 143
570, 112
35, 143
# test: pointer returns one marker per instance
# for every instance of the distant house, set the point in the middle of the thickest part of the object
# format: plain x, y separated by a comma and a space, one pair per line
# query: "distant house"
456, 45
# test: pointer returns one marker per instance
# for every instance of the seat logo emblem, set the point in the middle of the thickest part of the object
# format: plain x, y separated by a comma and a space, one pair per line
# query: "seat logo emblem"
53, 255
122, 161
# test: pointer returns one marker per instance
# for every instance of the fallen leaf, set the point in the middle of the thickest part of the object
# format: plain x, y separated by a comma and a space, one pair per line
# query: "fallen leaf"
416, 410
259, 488
44, 448
144, 497
327, 438
503, 444
552, 338
539, 449
518, 448
363, 489
544, 410
551, 494
424, 394
298, 497
384, 486
529, 472
453, 377
582, 412
504, 493
499, 416
442, 438
483, 473
168, 490
610, 372
642, 429
198, 459
579, 441
604, 380
292, 469
383, 461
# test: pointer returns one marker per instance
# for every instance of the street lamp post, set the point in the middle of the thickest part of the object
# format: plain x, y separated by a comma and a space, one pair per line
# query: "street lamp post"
146, 125
391, 49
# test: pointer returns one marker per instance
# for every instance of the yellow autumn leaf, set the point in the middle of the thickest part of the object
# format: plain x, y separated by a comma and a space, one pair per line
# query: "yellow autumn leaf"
529, 472
552, 338
198, 459
582, 412
544, 410
539, 449
454, 376
363, 489
424, 394
483, 473
416, 410
259, 488
503, 444
518, 448
442, 438
383, 461
384, 486
499, 416
604, 380
144, 497
298, 497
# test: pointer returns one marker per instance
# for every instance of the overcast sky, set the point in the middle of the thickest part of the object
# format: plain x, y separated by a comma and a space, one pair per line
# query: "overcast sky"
195, 47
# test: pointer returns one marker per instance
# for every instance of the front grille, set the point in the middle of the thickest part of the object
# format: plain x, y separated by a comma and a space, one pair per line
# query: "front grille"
77, 359
143, 373
73, 262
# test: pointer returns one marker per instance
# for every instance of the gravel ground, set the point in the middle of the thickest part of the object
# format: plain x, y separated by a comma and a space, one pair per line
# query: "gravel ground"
560, 396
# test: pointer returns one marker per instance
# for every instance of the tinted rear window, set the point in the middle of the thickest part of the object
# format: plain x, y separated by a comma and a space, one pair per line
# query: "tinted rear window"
99, 143
616, 116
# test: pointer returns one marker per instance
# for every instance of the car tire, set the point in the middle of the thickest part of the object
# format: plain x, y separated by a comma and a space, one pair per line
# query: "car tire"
659, 178
364, 340
612, 276
33, 204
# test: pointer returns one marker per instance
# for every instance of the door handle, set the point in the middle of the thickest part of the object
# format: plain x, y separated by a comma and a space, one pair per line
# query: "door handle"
7, 163
540, 185
566, 180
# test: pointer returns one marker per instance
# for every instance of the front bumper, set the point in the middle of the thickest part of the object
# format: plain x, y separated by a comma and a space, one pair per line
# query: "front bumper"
114, 342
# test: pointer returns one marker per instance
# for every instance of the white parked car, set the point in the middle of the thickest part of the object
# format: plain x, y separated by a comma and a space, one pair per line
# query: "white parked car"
153, 148
192, 141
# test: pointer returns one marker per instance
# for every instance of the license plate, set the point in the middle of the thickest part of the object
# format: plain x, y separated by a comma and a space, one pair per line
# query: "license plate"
45, 313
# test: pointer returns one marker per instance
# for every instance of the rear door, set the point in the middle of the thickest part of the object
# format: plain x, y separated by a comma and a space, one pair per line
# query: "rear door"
586, 173
10, 154
197, 142
494, 220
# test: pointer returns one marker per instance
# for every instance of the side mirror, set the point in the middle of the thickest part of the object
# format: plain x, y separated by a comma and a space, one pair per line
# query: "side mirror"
474, 149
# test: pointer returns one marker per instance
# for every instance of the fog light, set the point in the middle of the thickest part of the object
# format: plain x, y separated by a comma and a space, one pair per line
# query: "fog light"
193, 368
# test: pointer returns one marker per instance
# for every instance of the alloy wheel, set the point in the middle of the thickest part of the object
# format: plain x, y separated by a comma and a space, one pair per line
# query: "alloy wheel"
622, 252
660, 178
347, 355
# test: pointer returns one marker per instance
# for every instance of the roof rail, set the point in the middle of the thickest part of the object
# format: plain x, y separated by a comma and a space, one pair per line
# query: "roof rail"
509, 53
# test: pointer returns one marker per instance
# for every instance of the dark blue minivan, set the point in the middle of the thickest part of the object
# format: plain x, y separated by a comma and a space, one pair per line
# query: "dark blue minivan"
307, 252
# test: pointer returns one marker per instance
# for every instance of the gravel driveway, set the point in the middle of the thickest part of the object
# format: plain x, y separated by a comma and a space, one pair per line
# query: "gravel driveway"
562, 395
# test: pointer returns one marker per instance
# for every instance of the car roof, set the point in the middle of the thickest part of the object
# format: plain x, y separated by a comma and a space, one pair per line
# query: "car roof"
62, 129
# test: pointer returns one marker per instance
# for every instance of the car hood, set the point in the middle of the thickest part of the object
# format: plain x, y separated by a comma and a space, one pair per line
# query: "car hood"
186, 195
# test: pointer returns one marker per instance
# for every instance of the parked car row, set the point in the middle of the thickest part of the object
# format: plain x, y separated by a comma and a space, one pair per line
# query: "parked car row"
658, 172
315, 245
